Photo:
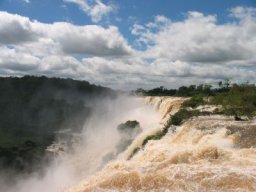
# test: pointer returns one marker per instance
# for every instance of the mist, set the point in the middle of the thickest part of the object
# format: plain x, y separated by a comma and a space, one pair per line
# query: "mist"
98, 138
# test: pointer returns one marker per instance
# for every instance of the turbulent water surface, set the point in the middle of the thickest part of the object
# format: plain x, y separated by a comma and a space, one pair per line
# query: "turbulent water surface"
84, 155
211, 153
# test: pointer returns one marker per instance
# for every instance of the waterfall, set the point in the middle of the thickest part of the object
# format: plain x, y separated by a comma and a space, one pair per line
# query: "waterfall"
210, 153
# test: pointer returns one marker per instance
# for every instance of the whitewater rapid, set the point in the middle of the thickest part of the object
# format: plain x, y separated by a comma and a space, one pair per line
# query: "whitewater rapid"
210, 153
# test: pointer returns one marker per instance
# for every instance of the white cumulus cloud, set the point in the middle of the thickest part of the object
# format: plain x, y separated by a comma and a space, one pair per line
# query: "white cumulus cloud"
200, 39
197, 49
93, 8
62, 37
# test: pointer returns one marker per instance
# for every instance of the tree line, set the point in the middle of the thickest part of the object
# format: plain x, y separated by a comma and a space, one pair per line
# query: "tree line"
33, 109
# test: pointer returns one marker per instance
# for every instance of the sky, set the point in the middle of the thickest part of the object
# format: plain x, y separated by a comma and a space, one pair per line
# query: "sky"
129, 44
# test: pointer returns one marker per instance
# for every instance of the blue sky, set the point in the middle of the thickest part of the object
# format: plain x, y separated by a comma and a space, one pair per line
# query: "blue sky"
129, 43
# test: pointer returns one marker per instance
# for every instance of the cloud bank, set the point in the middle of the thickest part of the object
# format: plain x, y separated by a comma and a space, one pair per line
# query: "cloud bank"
197, 49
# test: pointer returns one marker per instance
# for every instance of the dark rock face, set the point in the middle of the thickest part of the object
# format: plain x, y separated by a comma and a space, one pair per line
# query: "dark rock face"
128, 131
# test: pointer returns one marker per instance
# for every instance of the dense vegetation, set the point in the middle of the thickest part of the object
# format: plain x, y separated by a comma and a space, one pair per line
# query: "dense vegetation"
33, 109
236, 99
186, 91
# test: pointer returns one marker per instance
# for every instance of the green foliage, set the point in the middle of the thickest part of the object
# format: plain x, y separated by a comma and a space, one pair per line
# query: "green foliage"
127, 125
23, 157
128, 131
184, 91
156, 136
133, 153
182, 115
240, 100
33, 108
159, 91
194, 101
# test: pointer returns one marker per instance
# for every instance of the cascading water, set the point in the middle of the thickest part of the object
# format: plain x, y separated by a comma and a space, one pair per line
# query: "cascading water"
211, 153
165, 105
99, 137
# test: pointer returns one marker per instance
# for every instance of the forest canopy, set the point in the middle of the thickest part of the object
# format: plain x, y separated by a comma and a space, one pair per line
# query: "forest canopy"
33, 109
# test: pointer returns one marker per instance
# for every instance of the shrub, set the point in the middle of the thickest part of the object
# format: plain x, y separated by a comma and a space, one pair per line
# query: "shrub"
156, 136
194, 102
